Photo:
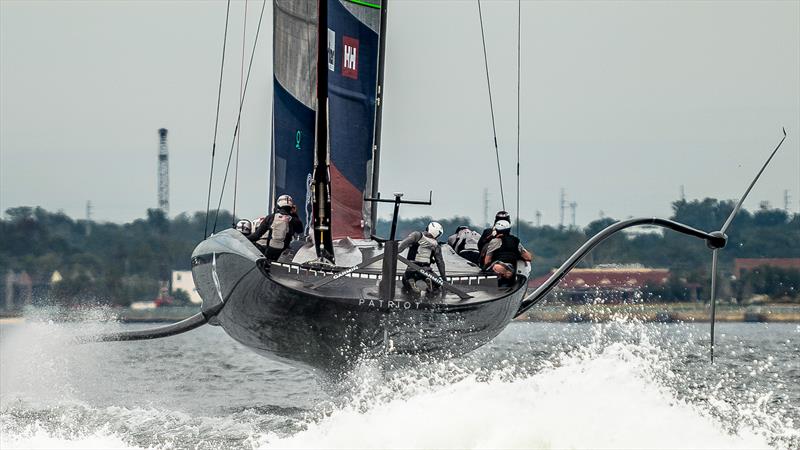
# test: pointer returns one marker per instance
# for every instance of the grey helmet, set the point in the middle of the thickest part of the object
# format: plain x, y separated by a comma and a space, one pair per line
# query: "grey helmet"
245, 227
502, 225
435, 229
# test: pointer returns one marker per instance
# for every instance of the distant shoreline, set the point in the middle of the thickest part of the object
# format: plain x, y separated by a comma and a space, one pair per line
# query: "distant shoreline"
643, 312
663, 313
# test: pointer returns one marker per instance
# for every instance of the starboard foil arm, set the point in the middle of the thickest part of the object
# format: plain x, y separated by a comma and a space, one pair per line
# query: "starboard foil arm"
713, 240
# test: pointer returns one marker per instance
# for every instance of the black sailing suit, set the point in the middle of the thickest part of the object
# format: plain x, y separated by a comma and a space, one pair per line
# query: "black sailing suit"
272, 254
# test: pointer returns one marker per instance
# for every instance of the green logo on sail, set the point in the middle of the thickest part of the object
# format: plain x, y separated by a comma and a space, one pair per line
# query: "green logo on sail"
297, 138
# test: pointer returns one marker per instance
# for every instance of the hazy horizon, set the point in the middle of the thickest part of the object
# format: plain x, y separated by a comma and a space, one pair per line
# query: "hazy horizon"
622, 103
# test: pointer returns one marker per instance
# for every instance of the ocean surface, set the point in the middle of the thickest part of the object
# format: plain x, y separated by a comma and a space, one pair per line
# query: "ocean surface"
621, 384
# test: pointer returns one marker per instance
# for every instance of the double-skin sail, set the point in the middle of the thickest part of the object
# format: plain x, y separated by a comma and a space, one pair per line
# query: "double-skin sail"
351, 36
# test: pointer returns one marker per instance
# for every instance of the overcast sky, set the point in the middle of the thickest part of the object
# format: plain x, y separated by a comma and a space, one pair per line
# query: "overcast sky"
622, 103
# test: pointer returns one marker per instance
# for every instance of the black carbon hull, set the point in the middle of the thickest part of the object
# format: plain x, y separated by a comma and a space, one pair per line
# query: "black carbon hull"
277, 315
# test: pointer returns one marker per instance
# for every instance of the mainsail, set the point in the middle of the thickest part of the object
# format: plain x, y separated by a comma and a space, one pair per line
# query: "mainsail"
353, 41
347, 116
294, 101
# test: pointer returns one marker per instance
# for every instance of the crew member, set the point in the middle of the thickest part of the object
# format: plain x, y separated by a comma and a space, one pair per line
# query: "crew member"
503, 252
275, 232
245, 226
465, 243
423, 250
488, 233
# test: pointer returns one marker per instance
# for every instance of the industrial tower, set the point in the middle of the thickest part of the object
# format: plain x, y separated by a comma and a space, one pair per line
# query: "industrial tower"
163, 171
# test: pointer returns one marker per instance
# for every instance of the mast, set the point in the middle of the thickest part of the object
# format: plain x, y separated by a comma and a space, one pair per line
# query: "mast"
376, 147
321, 190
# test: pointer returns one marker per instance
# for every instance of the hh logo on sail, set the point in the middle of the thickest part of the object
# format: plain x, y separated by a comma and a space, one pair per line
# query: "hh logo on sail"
350, 57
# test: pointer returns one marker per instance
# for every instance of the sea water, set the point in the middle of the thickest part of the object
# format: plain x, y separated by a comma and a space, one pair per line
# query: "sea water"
621, 384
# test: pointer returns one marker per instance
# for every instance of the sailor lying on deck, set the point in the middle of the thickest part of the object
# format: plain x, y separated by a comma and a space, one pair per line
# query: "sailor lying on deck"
503, 252
275, 233
423, 249
465, 243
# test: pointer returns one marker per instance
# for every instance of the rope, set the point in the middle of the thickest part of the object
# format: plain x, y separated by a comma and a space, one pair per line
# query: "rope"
239, 116
216, 120
519, 39
491, 108
238, 141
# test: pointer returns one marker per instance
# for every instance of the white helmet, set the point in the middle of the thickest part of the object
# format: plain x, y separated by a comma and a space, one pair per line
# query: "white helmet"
284, 200
502, 225
435, 229
244, 226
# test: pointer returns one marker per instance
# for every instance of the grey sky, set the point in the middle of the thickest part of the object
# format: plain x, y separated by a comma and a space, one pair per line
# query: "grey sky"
622, 102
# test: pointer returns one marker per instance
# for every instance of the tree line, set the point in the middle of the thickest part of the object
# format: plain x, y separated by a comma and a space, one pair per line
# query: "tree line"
120, 263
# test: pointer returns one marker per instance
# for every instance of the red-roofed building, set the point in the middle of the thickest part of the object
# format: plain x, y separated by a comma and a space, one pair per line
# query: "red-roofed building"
613, 285
747, 264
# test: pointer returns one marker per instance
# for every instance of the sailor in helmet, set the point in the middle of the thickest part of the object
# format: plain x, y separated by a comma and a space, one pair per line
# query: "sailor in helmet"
275, 232
488, 233
423, 250
503, 252
465, 243
245, 226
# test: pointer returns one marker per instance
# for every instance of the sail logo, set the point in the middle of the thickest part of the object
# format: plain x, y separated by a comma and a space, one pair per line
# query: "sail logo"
350, 57
331, 50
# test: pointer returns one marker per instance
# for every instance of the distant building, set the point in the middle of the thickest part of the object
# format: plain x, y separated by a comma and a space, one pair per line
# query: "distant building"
18, 290
182, 279
747, 264
617, 284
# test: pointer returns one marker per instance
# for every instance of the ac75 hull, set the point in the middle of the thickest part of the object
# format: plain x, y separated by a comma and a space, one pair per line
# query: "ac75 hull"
275, 314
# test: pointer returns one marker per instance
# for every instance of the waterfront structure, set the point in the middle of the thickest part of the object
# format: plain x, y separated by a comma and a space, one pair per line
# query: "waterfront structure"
182, 279
18, 290
163, 171
741, 265
612, 284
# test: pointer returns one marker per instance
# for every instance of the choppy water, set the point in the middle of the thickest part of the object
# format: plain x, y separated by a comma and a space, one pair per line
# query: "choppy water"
614, 385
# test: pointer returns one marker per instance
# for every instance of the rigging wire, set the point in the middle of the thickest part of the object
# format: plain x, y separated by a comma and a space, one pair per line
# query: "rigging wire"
491, 107
239, 141
239, 116
519, 39
216, 119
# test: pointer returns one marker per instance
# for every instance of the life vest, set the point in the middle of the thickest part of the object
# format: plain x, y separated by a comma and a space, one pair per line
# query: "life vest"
279, 230
423, 250
262, 241
486, 237
508, 251
467, 240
